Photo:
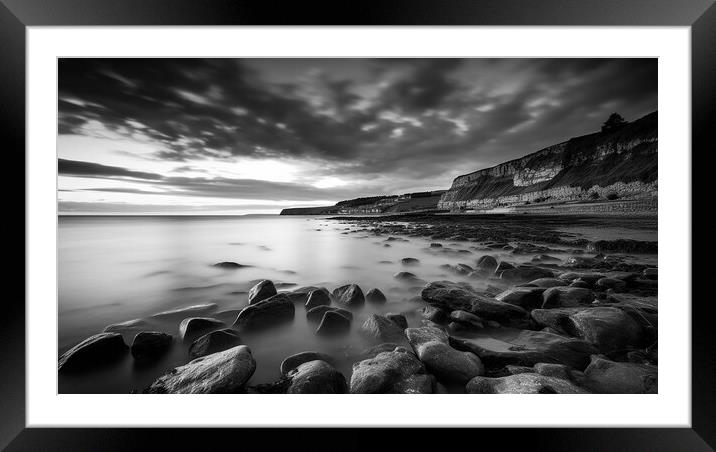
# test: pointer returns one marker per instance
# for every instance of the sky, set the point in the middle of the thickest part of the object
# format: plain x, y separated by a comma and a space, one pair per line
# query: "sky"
241, 136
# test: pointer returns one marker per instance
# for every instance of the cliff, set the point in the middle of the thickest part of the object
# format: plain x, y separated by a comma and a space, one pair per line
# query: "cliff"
409, 202
609, 165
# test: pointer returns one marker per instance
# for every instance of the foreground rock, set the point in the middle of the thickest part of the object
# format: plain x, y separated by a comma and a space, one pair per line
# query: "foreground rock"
98, 349
349, 295
218, 373
316, 314
261, 291
213, 342
440, 359
526, 273
271, 311
609, 329
564, 297
229, 265
317, 377
396, 372
527, 348
527, 298
522, 383
380, 328
150, 344
451, 296
320, 297
375, 296
612, 377
486, 265
296, 360
194, 326
332, 323
466, 320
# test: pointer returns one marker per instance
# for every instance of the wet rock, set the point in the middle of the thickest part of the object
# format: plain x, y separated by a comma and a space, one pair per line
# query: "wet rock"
459, 269
375, 296
317, 377
651, 273
623, 246
579, 283
333, 323
406, 276
381, 328
440, 359
150, 344
522, 383
434, 314
589, 278
319, 297
129, 326
217, 373
98, 349
229, 265
417, 384
581, 262
316, 314
213, 342
527, 348
545, 258
388, 373
374, 351
605, 376
503, 266
548, 282
296, 360
301, 294
526, 273
191, 311
617, 285
466, 319
195, 326
563, 297
486, 265
451, 296
409, 261
261, 291
436, 245
525, 297
553, 370
349, 295
398, 319
271, 311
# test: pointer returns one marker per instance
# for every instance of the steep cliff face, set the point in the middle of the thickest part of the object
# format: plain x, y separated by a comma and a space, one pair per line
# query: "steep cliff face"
623, 162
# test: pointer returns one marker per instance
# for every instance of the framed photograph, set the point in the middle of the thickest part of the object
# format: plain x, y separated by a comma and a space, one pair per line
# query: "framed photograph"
411, 215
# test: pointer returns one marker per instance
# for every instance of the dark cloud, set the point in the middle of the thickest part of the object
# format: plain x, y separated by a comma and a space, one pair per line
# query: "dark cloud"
95, 170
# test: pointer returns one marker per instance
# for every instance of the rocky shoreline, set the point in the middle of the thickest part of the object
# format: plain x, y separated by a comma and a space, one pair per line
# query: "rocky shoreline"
587, 324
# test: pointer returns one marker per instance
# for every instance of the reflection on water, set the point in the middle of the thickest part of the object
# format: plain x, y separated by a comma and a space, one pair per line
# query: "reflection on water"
114, 269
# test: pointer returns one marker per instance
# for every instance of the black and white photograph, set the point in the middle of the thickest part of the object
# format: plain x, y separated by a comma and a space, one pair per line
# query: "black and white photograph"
350, 225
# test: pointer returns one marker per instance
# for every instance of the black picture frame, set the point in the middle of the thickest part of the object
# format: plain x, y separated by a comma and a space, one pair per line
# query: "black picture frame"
16, 15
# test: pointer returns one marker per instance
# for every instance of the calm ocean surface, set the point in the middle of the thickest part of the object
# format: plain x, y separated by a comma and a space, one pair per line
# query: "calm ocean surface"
114, 269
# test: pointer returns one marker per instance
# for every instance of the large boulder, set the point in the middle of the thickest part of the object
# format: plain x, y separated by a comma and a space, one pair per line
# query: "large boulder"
316, 314
98, 349
522, 383
221, 372
447, 364
527, 348
213, 342
193, 327
525, 273
150, 344
316, 377
271, 311
296, 360
301, 294
486, 265
605, 376
565, 297
319, 297
608, 328
451, 296
349, 295
398, 319
387, 373
380, 328
261, 291
375, 296
525, 297
332, 323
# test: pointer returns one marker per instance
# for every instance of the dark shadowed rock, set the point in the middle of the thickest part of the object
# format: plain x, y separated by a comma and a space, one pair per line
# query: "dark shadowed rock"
434, 314
589, 278
605, 376
522, 383
388, 373
554, 370
409, 261
503, 266
617, 285
381, 328
317, 377
320, 297
467, 320
526, 273
150, 344
406, 276
349, 295
191, 311
375, 296
218, 373
333, 323
440, 359
194, 326
316, 314
486, 265
451, 296
229, 265
548, 282
301, 294
98, 349
398, 319
525, 297
261, 291
213, 342
580, 283
271, 311
565, 297
527, 348
296, 360
651, 273
129, 326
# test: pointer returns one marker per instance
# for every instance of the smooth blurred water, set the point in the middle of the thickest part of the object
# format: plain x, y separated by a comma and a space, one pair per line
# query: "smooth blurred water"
113, 269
